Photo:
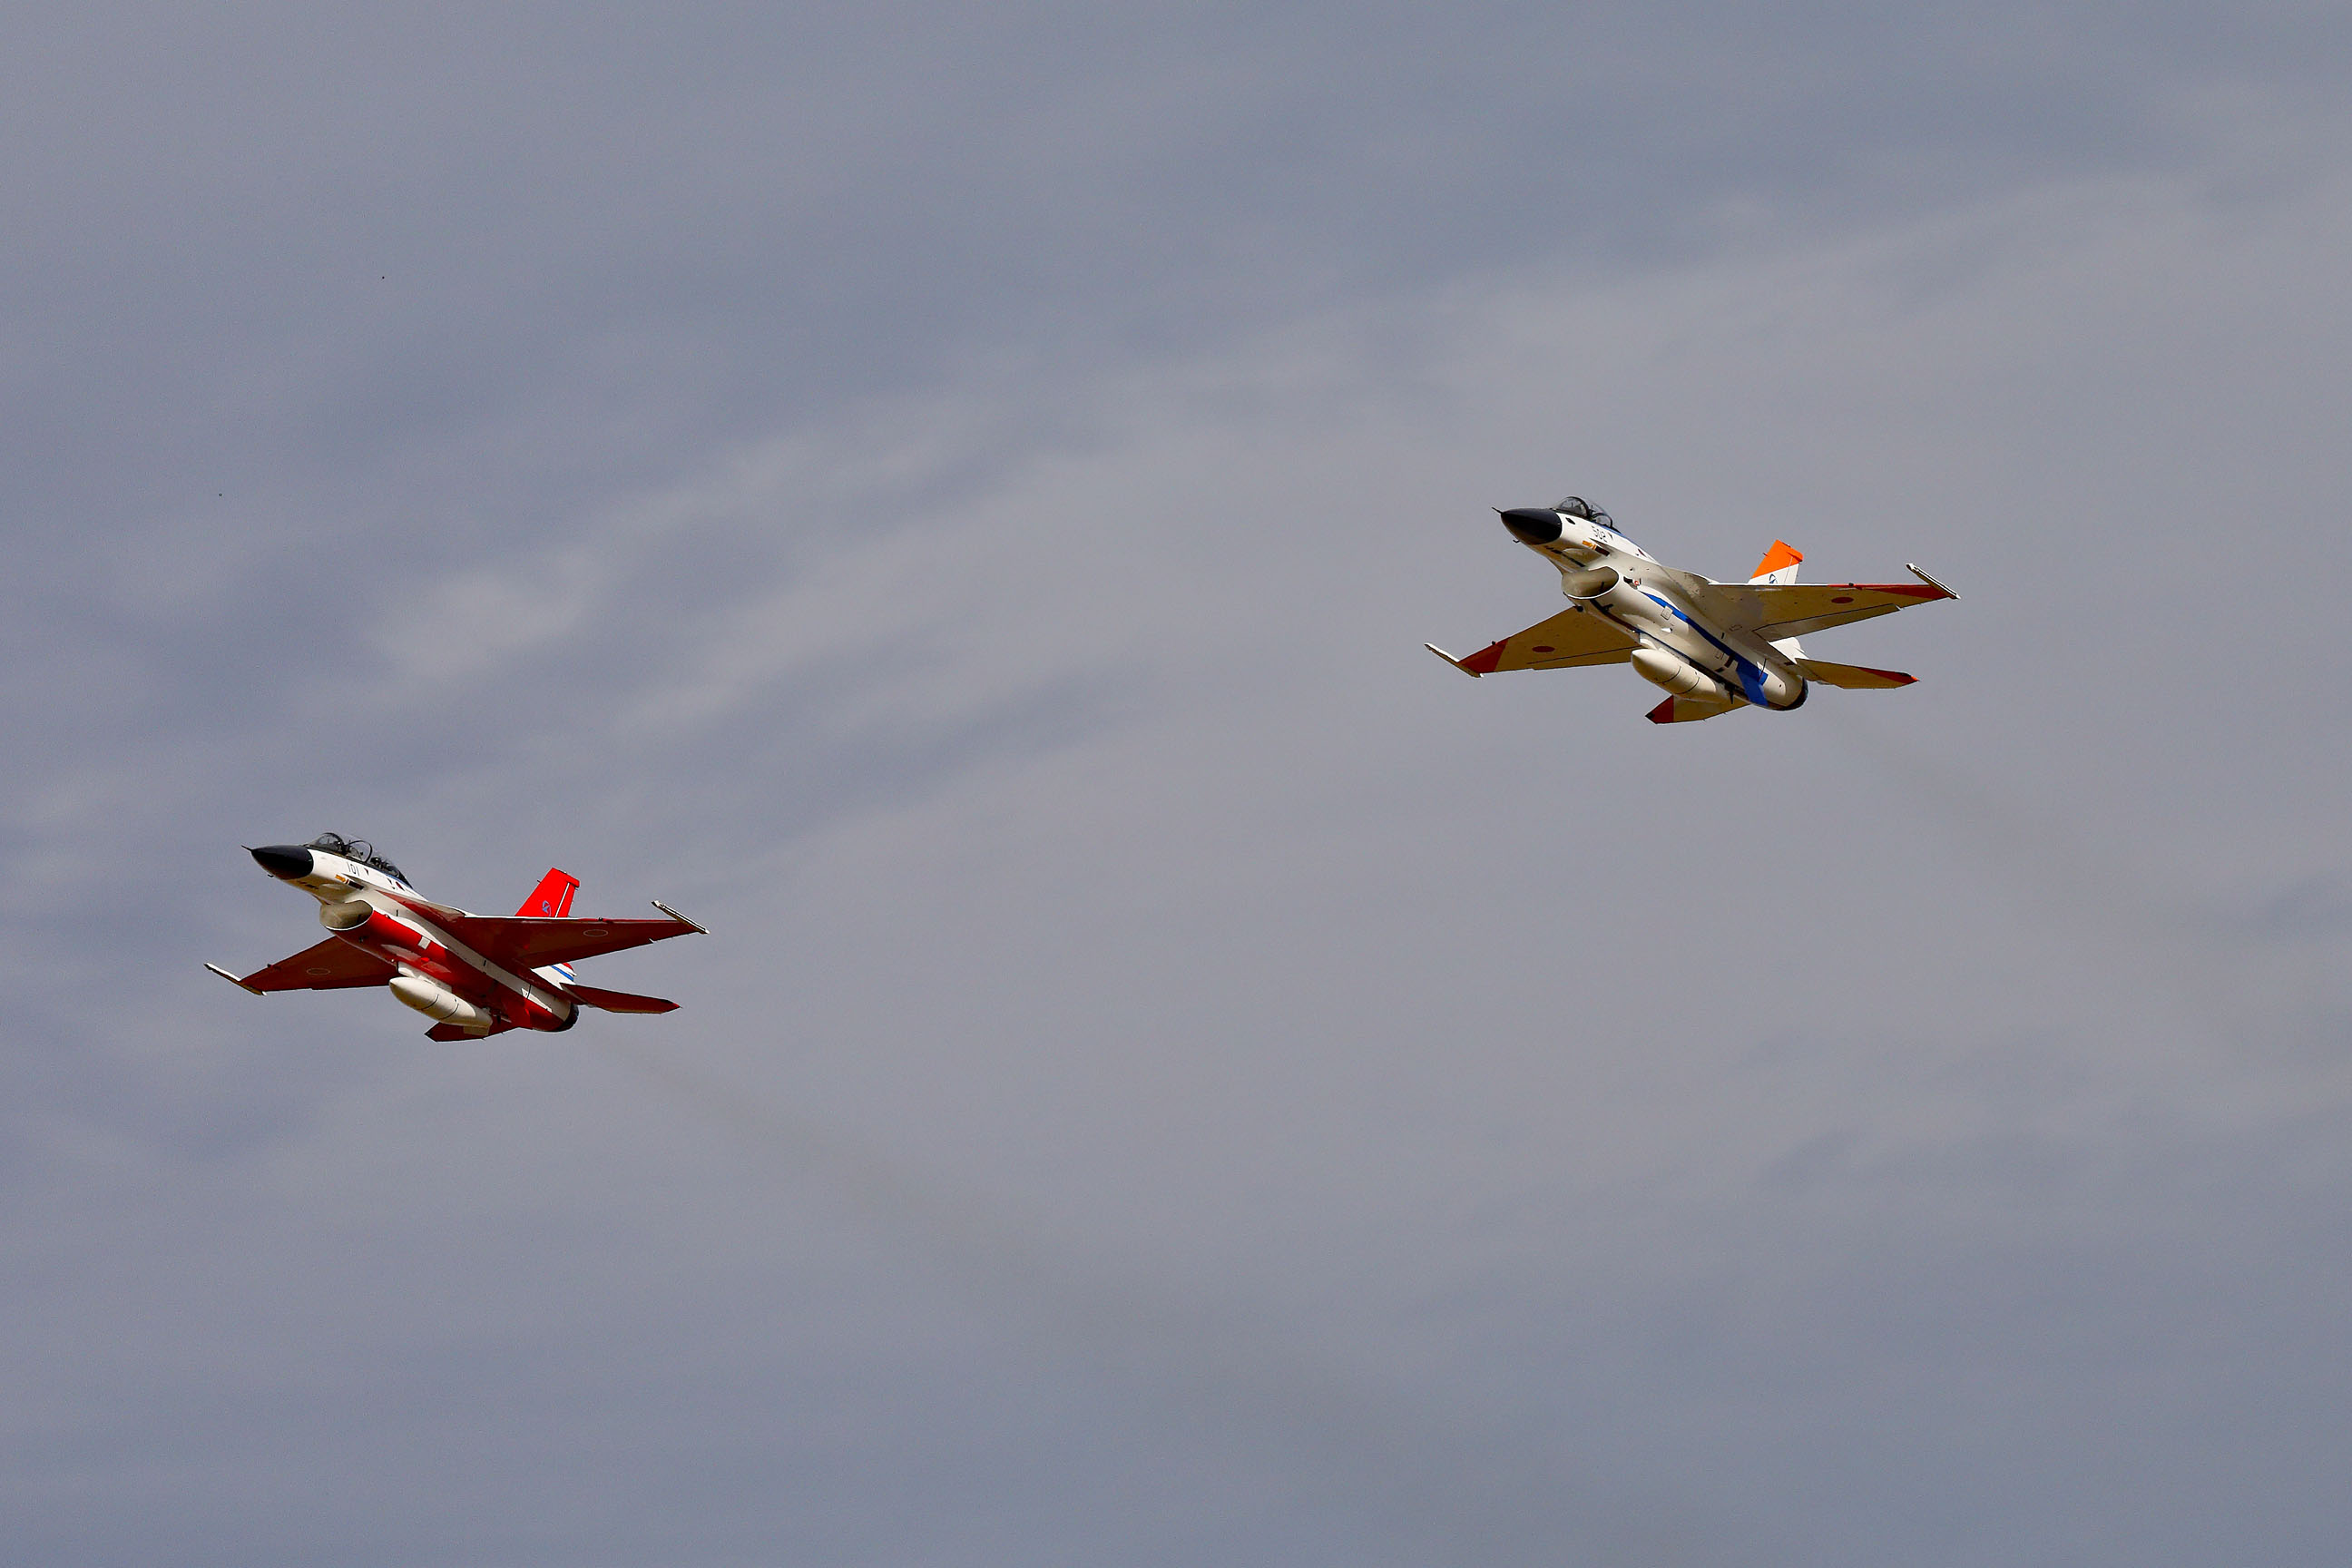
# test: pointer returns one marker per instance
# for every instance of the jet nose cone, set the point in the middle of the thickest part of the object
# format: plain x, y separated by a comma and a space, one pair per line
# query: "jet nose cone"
1532, 525
287, 861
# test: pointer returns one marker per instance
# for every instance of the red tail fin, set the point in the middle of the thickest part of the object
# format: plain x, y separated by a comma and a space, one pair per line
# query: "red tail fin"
552, 899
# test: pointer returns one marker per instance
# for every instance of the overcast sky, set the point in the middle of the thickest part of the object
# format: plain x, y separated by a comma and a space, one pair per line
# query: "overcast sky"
951, 498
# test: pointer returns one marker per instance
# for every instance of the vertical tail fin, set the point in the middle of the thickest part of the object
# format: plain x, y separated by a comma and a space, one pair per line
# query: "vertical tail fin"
1779, 565
552, 899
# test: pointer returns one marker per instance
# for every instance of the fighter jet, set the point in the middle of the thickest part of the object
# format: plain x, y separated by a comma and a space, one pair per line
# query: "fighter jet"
476, 975
1714, 647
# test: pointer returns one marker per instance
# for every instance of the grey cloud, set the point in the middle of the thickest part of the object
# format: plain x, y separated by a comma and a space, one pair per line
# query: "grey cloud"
1178, 1073
364, 248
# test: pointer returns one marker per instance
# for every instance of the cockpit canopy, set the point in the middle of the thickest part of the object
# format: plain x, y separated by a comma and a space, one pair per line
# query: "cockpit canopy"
358, 849
1577, 506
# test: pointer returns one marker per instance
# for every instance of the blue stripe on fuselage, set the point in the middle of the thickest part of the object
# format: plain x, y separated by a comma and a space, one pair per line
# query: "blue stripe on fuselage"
1748, 670
1751, 675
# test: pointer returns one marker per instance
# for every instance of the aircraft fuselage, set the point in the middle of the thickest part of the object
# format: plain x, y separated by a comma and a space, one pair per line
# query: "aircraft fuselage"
1678, 648
439, 976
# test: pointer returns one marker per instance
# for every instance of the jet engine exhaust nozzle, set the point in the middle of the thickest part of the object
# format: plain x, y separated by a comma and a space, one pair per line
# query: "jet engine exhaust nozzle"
290, 861
440, 1002
1531, 524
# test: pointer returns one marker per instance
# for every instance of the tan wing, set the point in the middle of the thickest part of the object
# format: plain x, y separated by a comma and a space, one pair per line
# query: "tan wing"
1776, 610
1574, 636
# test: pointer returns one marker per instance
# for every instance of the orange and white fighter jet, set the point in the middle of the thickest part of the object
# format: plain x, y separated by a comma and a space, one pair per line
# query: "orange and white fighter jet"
474, 976
1714, 647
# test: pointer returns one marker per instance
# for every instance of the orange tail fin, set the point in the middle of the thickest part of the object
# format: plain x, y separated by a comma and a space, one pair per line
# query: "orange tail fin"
1780, 563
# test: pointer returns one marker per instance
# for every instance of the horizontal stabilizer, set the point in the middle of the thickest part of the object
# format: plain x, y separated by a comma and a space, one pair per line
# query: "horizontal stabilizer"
1689, 709
458, 1032
1854, 676
619, 1001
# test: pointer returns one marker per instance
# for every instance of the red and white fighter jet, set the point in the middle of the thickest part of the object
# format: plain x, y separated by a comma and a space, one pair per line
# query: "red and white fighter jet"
474, 976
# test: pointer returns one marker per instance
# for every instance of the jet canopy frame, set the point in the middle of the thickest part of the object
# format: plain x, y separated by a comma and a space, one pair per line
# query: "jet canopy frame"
1577, 506
358, 849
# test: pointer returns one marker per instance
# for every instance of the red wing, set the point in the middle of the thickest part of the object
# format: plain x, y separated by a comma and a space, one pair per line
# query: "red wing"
521, 943
332, 965
620, 1001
